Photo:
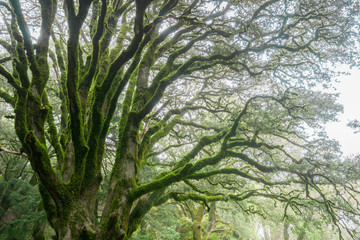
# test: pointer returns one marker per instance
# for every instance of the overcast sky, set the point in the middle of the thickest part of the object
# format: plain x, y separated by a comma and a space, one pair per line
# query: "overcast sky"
349, 89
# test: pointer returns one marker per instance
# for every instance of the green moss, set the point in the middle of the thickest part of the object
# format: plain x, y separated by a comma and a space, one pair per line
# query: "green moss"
197, 197
48, 205
21, 65
110, 229
86, 234
21, 125
208, 161
162, 182
60, 58
44, 72
206, 140
120, 38
37, 150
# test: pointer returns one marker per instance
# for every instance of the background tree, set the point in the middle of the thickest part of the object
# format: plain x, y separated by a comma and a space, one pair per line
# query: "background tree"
195, 89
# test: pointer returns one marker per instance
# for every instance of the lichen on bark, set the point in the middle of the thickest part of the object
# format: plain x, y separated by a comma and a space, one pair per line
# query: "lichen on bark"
169, 85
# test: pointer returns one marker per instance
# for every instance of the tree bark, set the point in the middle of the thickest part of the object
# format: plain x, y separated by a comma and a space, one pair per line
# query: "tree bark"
266, 232
196, 226
286, 230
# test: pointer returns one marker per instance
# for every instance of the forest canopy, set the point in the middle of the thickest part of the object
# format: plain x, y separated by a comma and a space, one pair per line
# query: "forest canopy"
121, 106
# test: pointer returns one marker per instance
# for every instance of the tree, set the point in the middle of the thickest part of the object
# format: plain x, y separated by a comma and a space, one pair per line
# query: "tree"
196, 89
19, 198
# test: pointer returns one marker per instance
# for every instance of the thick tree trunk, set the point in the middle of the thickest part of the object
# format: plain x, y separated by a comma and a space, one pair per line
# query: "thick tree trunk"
75, 219
74, 222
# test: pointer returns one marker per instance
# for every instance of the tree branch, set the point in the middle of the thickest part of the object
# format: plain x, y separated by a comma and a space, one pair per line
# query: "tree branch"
12, 152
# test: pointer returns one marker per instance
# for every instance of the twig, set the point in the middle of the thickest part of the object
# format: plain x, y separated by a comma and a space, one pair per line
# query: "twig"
12, 152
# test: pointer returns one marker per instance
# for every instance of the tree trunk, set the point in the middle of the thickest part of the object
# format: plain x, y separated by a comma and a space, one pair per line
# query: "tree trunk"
74, 222
196, 227
286, 230
302, 233
266, 232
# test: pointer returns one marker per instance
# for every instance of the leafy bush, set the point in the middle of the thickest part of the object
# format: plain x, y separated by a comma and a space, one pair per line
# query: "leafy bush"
19, 202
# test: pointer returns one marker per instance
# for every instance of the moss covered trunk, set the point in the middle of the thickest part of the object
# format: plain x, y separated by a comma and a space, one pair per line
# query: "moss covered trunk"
74, 222
197, 226
74, 217
117, 209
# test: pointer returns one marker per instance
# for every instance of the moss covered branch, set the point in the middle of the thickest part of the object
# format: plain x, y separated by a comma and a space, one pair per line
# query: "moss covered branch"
7, 97
10, 78
40, 162
180, 197
24, 30
96, 44
76, 120
54, 137
238, 172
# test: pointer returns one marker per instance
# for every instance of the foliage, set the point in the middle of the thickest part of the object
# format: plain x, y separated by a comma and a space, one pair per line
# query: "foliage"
160, 224
18, 212
163, 233
122, 106
355, 124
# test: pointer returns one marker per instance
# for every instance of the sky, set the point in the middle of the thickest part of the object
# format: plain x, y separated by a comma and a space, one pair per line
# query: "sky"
349, 89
